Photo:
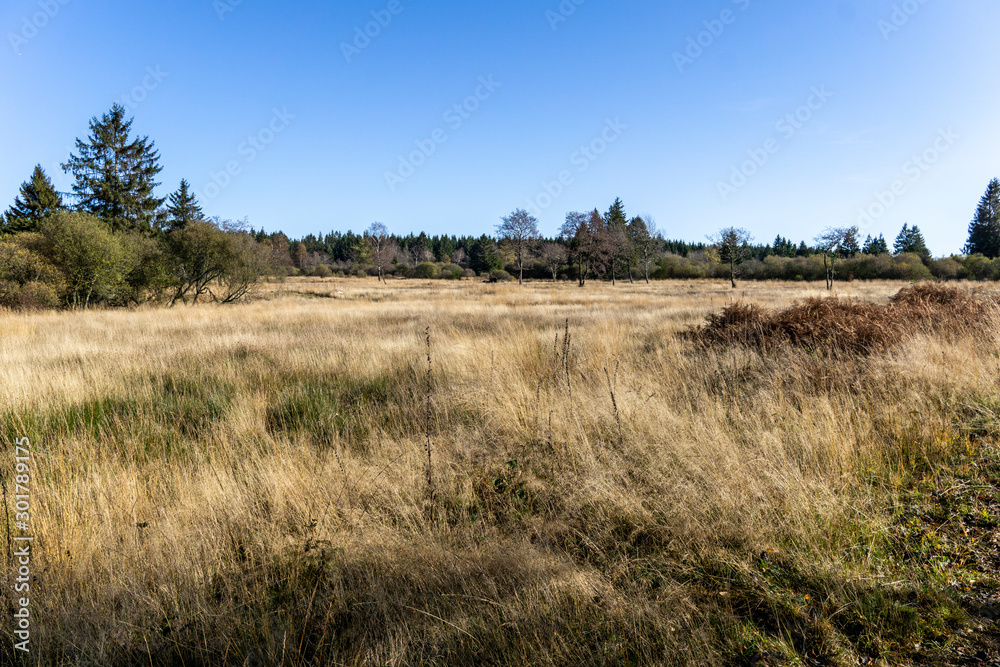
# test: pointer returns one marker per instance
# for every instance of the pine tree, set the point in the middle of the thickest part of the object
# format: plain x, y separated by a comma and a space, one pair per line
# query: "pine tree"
183, 207
115, 175
734, 248
616, 239
875, 246
38, 198
483, 256
984, 231
849, 246
910, 239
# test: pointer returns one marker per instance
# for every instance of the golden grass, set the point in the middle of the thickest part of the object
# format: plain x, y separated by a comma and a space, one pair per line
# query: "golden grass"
247, 484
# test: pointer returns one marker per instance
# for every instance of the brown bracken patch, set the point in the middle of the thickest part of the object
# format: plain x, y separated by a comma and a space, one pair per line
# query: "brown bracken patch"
847, 325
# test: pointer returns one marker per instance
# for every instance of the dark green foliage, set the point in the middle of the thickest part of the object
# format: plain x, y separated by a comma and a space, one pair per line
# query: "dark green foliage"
115, 175
734, 249
850, 246
615, 240
782, 247
183, 207
484, 256
875, 246
910, 239
37, 199
984, 231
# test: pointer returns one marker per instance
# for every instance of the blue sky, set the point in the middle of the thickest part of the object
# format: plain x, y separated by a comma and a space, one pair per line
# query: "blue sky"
781, 117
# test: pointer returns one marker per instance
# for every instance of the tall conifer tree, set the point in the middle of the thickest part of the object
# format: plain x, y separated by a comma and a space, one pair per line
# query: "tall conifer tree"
984, 231
911, 239
115, 174
183, 207
38, 198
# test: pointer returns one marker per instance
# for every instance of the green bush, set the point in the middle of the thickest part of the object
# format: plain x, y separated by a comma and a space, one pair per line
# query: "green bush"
96, 263
978, 267
426, 270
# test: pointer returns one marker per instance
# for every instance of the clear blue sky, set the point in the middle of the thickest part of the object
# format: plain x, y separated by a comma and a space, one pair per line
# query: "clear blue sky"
678, 128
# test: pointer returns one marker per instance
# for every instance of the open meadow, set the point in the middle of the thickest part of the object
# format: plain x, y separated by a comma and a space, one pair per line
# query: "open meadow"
344, 472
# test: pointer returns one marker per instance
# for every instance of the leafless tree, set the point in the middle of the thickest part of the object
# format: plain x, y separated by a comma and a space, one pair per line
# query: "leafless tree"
381, 246
519, 232
832, 243
555, 256
645, 242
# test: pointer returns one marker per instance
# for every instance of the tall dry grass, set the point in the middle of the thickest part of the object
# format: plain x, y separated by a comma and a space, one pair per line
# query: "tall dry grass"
248, 485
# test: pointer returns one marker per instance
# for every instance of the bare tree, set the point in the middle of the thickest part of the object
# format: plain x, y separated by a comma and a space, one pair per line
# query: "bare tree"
734, 248
645, 242
555, 256
835, 243
519, 232
381, 246
419, 255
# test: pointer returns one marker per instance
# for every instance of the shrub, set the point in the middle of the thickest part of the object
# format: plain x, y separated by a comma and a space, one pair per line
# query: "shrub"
205, 253
27, 278
28, 296
945, 269
451, 271
978, 267
95, 262
500, 276
322, 271
426, 270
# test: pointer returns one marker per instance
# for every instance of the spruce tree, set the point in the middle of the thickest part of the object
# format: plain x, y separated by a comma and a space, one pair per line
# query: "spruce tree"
910, 239
483, 255
115, 175
183, 207
38, 198
875, 246
734, 248
849, 246
984, 231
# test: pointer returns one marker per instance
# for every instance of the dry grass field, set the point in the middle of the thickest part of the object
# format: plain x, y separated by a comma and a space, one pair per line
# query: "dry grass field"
568, 481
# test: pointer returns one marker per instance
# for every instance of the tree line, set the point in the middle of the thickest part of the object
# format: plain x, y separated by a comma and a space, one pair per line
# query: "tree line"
613, 246
118, 244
